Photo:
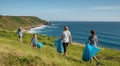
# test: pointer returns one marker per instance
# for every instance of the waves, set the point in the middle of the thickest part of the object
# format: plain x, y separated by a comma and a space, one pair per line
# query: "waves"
108, 33
36, 29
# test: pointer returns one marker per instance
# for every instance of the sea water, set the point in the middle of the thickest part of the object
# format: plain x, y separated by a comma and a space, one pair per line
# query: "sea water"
108, 32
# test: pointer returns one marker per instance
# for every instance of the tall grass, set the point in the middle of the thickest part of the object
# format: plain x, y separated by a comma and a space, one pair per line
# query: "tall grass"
13, 53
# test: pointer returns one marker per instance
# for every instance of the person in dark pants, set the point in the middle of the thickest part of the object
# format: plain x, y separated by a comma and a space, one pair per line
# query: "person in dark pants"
67, 38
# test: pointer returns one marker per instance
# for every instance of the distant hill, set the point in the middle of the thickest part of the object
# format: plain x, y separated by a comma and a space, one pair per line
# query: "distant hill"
13, 22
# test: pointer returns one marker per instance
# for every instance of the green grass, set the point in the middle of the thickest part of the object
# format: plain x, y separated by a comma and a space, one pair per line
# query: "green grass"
13, 53
13, 22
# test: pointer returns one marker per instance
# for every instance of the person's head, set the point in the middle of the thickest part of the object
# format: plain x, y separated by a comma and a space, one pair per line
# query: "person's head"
93, 32
20, 28
35, 35
66, 28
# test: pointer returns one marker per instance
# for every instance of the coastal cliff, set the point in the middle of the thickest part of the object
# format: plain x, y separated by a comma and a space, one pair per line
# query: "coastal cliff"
13, 22
13, 53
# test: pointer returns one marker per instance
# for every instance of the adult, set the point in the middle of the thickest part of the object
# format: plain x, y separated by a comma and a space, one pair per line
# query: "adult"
67, 38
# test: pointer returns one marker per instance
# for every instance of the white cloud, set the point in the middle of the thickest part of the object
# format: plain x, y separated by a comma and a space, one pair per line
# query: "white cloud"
106, 8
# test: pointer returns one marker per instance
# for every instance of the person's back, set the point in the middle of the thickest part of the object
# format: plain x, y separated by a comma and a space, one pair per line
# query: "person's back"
93, 40
20, 34
34, 41
67, 35
67, 38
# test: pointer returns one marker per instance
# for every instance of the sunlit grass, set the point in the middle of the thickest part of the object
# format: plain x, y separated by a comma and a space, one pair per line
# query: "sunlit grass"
13, 53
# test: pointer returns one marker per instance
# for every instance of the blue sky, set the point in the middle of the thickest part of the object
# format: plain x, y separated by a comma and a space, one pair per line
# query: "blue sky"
63, 10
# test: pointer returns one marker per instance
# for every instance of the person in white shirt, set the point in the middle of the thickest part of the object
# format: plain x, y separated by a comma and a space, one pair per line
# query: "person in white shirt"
67, 38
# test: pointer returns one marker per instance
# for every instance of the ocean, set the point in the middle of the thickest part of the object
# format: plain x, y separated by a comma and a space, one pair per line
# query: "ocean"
108, 33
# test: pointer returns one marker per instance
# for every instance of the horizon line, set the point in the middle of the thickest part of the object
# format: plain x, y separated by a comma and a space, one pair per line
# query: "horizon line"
86, 20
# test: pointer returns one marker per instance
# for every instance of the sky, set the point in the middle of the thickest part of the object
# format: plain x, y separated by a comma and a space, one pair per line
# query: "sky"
63, 10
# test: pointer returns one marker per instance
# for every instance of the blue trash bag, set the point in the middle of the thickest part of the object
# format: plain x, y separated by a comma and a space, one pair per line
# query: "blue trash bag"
89, 52
56, 43
59, 46
39, 45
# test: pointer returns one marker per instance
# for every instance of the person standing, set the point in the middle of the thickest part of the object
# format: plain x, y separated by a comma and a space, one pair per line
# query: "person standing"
20, 34
34, 41
67, 38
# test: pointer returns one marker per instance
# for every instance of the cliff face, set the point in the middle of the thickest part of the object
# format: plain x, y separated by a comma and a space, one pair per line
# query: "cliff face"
13, 22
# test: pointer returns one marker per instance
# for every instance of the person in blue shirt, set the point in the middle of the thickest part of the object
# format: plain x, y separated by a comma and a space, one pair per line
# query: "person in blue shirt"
34, 41
20, 34
93, 40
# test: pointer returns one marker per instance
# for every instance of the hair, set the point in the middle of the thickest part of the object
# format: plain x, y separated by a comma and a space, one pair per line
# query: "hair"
93, 32
66, 27
34, 35
20, 28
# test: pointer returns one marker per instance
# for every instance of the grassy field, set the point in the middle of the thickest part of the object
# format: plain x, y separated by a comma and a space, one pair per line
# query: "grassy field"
13, 53
13, 22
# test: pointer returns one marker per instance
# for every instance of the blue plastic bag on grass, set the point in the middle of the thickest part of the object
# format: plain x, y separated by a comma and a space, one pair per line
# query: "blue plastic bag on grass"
39, 45
89, 52
59, 45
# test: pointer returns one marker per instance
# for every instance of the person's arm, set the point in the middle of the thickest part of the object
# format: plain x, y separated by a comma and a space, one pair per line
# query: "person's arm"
70, 37
22, 32
63, 36
96, 40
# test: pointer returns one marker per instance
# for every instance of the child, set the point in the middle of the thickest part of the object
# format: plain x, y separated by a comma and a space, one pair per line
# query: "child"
34, 41
93, 41
20, 34
67, 38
